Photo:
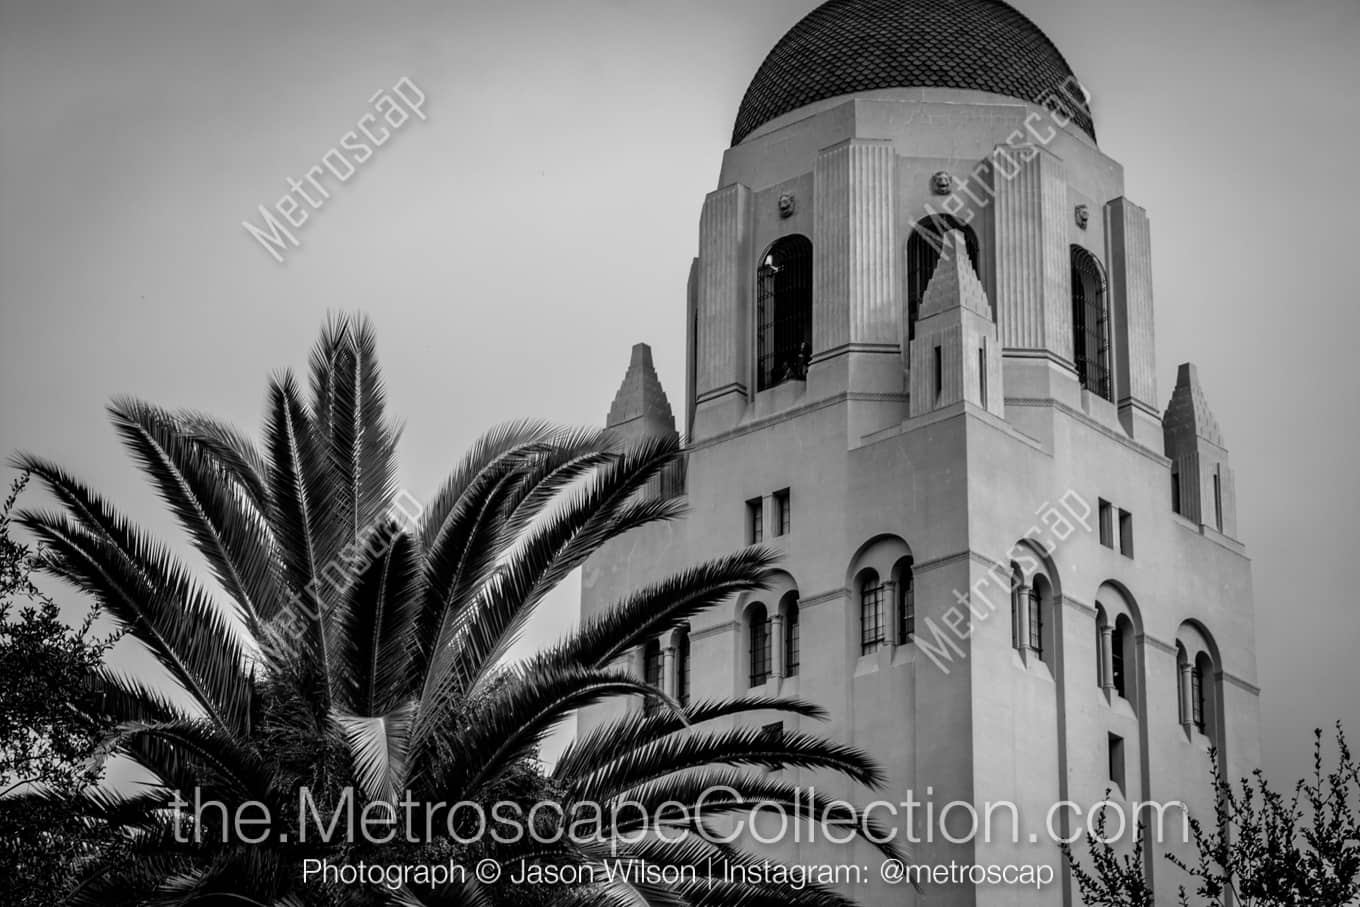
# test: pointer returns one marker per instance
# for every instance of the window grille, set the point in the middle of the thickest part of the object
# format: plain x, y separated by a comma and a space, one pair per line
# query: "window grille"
870, 615
760, 645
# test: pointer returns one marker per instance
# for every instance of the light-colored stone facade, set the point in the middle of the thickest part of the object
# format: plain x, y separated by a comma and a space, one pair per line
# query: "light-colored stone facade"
887, 465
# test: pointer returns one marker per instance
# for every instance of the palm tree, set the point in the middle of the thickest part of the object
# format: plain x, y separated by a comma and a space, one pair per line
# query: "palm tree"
355, 648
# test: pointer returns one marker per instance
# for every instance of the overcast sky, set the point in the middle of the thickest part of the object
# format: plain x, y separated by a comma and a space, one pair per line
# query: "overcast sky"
512, 247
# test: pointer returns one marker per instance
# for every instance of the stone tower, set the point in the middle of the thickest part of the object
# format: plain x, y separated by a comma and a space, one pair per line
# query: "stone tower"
921, 367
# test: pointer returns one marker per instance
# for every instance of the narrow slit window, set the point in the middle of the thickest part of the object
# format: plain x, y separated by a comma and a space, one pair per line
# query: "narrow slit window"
939, 374
755, 521
1116, 752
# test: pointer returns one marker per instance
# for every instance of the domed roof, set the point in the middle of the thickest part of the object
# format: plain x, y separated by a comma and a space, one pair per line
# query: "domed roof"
846, 46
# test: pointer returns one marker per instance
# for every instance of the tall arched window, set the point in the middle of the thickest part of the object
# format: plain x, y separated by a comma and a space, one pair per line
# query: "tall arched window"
870, 612
682, 666
905, 586
788, 608
923, 255
784, 312
758, 635
1090, 324
651, 670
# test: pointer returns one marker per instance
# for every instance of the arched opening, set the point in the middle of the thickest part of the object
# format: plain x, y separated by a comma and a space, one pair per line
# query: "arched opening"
923, 256
784, 312
682, 672
870, 612
904, 588
1040, 626
1197, 661
758, 639
1090, 324
788, 610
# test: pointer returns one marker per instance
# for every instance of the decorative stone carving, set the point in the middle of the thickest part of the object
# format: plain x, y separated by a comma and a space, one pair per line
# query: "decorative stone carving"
1083, 216
942, 183
787, 204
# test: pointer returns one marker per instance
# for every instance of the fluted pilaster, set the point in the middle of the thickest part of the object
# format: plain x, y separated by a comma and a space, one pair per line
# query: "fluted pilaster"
854, 234
1033, 279
1130, 258
723, 285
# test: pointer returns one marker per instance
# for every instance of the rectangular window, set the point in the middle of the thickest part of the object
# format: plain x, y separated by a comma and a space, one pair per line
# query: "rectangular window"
1106, 523
982, 374
939, 374
755, 521
1218, 500
1176, 492
783, 515
791, 642
1116, 749
1126, 533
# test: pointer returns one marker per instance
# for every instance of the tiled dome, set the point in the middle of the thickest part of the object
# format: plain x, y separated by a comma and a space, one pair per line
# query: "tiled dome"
846, 46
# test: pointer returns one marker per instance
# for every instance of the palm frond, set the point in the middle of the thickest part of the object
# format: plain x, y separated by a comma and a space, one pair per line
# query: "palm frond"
141, 585
378, 747
612, 739
379, 636
679, 597
227, 528
349, 404
303, 514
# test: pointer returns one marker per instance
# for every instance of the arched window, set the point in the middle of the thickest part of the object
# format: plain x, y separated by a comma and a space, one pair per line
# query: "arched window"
1017, 584
758, 634
651, 670
788, 607
870, 612
1090, 324
682, 666
784, 312
905, 586
923, 255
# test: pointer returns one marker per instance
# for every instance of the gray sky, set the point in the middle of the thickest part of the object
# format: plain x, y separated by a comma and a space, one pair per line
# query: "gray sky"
514, 246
